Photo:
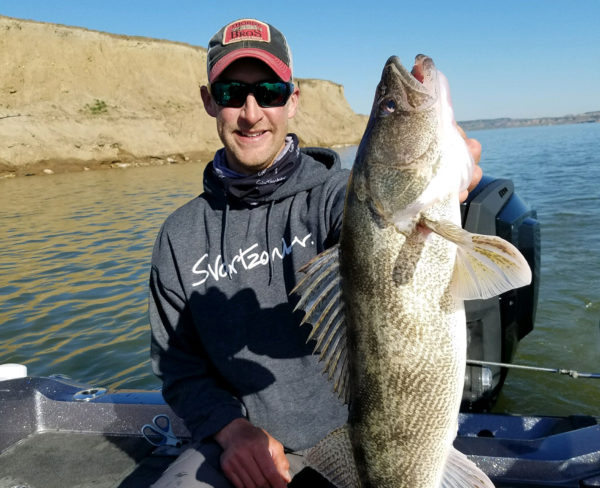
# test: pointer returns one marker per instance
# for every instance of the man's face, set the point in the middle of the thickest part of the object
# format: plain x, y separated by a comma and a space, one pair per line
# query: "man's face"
252, 135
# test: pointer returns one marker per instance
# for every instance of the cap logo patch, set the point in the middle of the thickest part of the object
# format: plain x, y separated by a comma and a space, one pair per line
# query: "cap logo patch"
246, 30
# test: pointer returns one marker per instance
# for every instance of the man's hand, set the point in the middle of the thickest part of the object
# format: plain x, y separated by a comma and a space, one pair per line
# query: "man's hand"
251, 457
475, 149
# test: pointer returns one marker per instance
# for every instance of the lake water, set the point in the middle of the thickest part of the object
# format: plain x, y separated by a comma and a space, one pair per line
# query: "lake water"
75, 254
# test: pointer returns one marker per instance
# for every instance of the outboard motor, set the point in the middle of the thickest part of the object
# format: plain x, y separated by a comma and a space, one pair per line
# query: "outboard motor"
496, 325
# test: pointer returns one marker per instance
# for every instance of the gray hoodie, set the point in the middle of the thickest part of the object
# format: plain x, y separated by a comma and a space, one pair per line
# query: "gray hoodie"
225, 340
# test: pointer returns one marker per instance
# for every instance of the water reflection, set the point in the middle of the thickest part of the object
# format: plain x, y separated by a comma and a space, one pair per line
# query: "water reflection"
74, 267
76, 250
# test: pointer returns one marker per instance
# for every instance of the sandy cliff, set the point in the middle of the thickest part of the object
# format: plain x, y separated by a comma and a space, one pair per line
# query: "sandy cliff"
71, 98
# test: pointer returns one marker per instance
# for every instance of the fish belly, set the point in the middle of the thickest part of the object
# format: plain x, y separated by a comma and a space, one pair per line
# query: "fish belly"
407, 346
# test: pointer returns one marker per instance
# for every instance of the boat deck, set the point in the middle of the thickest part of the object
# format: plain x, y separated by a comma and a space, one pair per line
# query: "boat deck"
73, 459
55, 433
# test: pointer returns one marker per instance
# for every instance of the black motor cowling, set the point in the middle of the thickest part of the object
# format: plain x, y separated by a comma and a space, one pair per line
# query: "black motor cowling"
496, 325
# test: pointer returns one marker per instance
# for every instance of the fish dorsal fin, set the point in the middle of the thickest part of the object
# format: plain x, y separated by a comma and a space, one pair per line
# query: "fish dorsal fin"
461, 472
485, 266
321, 299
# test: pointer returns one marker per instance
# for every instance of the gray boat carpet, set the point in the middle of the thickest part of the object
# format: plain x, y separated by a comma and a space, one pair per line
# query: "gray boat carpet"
76, 460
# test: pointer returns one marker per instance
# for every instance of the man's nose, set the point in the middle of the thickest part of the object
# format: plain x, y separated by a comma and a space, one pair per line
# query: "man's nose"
251, 110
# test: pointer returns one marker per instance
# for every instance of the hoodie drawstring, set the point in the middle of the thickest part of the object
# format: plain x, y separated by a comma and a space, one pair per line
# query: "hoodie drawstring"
224, 226
224, 239
271, 205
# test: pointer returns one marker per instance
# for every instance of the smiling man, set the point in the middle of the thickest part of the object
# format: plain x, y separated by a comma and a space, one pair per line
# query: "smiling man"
234, 361
226, 342
254, 133
245, 58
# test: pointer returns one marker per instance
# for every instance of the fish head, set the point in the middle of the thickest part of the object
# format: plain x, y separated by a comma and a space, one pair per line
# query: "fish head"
411, 154
400, 149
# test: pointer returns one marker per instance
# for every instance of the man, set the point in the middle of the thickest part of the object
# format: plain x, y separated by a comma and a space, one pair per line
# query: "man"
234, 362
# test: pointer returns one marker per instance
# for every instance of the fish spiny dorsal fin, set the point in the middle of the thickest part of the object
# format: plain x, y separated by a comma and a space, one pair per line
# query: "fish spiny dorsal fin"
321, 299
485, 266
461, 472
314, 274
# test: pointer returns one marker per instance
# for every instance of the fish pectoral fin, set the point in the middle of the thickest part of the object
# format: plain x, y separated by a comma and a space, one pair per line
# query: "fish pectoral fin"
461, 472
321, 299
485, 266
380, 216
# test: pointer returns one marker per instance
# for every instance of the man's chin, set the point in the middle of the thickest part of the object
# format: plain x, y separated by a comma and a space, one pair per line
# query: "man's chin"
251, 158
249, 162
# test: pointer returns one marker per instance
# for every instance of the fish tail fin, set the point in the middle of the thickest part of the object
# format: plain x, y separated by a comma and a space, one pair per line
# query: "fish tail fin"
461, 472
332, 457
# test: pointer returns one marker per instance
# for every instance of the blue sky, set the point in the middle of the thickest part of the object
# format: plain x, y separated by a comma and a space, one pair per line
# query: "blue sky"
510, 58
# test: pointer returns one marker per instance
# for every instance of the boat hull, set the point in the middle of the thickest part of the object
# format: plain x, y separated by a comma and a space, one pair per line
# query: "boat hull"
55, 432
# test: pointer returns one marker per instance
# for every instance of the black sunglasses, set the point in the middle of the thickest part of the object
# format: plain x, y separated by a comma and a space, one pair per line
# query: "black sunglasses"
267, 93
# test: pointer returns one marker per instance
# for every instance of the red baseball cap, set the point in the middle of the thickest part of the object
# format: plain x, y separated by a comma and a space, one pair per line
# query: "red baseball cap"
249, 38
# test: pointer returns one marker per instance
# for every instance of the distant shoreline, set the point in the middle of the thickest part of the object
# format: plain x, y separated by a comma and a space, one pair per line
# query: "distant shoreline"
78, 100
505, 122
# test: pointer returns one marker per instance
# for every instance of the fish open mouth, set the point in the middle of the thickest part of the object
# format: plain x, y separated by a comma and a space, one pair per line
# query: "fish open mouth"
413, 90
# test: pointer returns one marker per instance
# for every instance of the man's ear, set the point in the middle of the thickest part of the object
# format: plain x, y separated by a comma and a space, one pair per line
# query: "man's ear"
209, 104
293, 102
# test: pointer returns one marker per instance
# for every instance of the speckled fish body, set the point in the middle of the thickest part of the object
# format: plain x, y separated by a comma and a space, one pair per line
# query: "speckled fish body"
405, 329
386, 304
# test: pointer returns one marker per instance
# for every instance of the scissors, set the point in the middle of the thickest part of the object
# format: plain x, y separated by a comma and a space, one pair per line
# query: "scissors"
160, 432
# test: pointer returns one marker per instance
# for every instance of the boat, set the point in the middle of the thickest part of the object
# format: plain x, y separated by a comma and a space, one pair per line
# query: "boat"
59, 433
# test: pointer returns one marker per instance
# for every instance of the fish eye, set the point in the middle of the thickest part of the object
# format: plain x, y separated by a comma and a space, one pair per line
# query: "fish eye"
388, 106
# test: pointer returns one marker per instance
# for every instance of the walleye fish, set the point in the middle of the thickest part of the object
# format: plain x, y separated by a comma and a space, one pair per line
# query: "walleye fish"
386, 303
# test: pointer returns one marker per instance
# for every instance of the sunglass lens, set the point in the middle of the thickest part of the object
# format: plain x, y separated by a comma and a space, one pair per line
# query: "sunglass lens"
267, 94
229, 94
271, 94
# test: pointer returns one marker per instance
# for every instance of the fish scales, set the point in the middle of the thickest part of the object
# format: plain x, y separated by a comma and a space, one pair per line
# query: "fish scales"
404, 266
408, 346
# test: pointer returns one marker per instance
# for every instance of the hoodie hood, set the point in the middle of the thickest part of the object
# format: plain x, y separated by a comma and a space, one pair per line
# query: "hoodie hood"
307, 169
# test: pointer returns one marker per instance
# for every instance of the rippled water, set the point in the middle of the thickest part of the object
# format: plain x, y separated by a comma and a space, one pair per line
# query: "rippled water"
557, 170
74, 266
76, 248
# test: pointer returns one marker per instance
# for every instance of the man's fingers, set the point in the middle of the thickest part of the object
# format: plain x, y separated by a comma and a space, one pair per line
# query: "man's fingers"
477, 175
239, 472
282, 465
234, 480
474, 148
473, 145
279, 465
269, 471
251, 457
241, 469
258, 470
253, 466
